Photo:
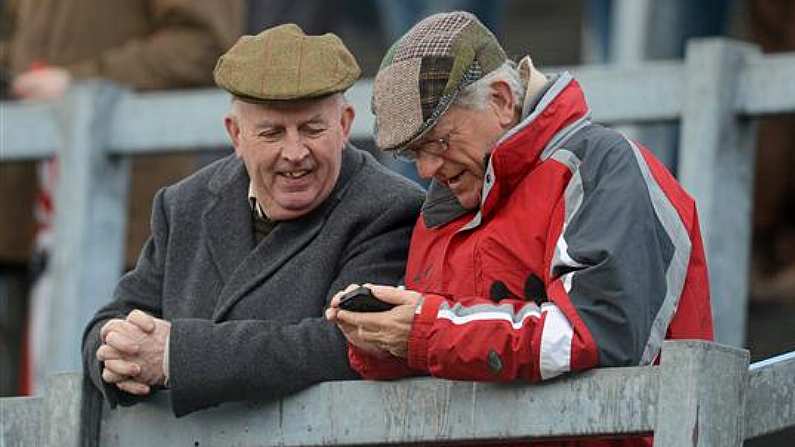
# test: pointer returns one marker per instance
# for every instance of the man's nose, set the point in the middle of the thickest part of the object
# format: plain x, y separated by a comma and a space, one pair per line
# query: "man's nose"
428, 164
294, 148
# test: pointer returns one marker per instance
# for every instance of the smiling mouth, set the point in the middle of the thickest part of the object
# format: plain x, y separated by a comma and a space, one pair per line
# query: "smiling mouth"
295, 174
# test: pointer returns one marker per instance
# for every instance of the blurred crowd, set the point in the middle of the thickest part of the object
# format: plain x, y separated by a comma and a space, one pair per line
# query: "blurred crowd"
46, 45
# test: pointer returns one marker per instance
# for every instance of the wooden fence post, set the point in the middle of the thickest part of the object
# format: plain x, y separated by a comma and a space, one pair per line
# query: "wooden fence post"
716, 165
702, 395
90, 222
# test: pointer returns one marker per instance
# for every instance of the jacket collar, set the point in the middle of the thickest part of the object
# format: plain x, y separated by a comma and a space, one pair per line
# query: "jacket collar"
560, 111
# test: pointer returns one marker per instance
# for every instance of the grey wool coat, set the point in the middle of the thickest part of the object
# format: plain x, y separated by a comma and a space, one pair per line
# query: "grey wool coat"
247, 320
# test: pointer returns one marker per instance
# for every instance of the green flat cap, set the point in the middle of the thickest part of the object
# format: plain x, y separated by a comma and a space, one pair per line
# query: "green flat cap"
283, 63
423, 72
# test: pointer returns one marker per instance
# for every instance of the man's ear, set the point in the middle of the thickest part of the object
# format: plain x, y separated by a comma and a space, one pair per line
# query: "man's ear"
233, 130
503, 104
347, 116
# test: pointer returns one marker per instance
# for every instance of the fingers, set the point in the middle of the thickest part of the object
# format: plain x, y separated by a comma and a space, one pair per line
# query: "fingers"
106, 352
361, 326
395, 295
367, 319
336, 300
143, 320
111, 377
331, 314
352, 318
126, 335
122, 343
123, 368
133, 387
386, 331
109, 326
351, 333
124, 383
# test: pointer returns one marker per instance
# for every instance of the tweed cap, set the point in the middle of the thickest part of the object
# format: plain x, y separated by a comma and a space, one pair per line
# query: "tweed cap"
423, 72
283, 63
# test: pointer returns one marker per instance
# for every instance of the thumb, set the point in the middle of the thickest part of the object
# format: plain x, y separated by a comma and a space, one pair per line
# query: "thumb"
143, 320
394, 295
335, 301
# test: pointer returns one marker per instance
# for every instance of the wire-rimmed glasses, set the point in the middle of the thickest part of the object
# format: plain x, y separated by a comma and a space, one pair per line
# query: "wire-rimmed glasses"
436, 146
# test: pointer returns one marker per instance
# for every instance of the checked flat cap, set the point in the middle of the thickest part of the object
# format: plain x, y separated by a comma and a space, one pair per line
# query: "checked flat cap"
283, 63
423, 72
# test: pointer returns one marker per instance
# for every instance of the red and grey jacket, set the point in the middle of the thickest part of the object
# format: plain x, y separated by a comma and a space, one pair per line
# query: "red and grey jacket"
584, 252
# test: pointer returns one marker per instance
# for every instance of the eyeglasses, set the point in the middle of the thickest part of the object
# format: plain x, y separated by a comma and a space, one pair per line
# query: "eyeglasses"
437, 146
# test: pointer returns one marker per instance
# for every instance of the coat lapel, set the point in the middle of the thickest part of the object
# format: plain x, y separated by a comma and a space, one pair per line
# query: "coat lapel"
282, 244
230, 235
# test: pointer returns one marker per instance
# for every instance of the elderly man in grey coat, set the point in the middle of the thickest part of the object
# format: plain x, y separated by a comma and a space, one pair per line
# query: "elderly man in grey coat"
226, 301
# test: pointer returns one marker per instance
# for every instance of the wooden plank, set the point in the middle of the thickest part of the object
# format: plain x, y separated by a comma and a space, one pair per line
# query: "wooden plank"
771, 396
606, 401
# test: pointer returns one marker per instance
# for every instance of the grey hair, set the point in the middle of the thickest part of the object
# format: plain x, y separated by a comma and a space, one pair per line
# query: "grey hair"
476, 95
234, 109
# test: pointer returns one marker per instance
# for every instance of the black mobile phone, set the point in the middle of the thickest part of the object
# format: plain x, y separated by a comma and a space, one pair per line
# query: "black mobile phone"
361, 299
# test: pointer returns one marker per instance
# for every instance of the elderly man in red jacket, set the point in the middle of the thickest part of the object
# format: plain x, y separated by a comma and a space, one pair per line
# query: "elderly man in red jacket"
547, 244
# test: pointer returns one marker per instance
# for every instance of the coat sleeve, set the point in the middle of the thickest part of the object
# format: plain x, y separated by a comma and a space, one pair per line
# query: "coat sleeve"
617, 254
186, 39
145, 295
270, 359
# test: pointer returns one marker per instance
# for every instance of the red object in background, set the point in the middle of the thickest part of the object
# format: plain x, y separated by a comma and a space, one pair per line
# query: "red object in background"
45, 205
37, 65
25, 363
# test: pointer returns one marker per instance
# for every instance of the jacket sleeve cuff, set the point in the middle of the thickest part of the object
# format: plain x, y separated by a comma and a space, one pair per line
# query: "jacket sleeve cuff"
165, 360
420, 331
371, 367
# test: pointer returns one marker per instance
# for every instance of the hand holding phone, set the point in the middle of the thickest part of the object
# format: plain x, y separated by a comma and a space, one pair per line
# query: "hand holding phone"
361, 299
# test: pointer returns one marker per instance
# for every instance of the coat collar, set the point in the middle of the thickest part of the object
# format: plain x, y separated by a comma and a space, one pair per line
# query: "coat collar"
559, 112
230, 236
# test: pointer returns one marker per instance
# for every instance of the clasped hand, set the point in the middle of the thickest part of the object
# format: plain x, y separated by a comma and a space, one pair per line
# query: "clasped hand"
132, 351
378, 333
